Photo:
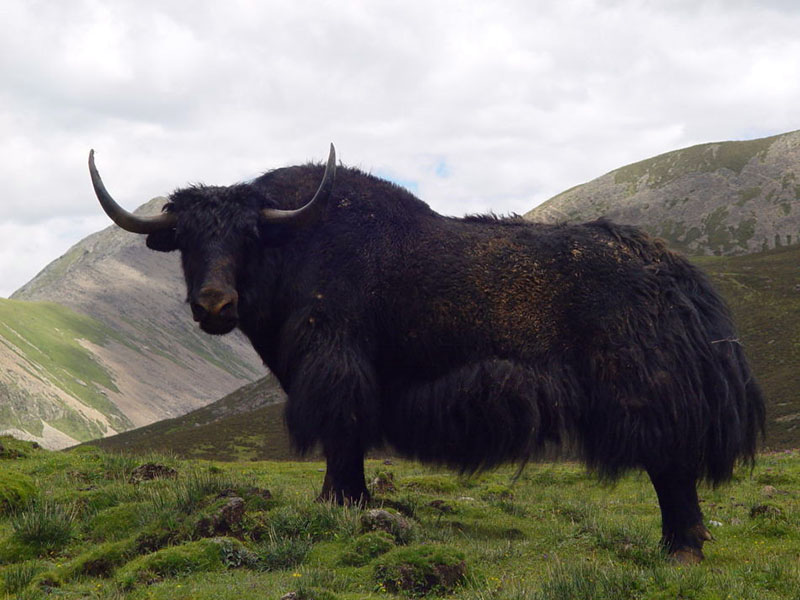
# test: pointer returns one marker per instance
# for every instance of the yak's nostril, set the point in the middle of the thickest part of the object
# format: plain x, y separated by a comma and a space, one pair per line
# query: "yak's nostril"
198, 312
228, 311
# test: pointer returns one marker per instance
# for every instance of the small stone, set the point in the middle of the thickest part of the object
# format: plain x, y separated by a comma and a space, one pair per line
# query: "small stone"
382, 520
765, 510
441, 506
769, 491
151, 471
716, 523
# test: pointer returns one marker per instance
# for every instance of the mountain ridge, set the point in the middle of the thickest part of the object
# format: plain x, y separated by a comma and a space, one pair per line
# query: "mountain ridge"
717, 198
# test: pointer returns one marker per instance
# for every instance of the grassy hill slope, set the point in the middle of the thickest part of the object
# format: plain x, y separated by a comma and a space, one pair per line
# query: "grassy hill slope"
763, 291
719, 198
50, 378
75, 525
244, 425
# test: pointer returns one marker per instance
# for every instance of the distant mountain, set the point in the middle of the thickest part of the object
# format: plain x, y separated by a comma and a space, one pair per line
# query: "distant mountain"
102, 341
721, 198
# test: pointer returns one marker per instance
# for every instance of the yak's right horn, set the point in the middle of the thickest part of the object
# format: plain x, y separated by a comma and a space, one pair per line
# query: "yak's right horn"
120, 216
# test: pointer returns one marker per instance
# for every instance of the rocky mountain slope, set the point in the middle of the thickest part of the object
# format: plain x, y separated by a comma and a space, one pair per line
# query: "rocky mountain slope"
102, 341
719, 198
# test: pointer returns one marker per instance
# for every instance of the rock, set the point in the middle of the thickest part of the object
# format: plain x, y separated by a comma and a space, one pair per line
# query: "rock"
232, 513
765, 510
383, 483
224, 521
382, 520
441, 506
769, 491
151, 471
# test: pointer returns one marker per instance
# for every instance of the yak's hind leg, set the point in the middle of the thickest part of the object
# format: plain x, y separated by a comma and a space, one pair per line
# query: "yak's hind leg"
344, 475
682, 529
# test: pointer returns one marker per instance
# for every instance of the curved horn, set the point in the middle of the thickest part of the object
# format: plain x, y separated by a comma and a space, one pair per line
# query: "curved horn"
314, 209
120, 216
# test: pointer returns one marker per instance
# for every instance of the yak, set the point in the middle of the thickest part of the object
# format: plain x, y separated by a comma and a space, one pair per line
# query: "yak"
466, 342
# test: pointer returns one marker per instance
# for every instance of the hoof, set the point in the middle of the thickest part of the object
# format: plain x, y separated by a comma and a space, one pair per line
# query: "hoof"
687, 549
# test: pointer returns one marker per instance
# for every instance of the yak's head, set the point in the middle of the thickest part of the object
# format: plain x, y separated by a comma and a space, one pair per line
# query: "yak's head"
215, 229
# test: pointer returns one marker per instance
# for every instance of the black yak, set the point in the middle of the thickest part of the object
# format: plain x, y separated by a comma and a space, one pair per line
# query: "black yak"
466, 342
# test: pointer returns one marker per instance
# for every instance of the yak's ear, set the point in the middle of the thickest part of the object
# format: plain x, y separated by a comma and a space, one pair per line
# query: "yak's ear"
163, 241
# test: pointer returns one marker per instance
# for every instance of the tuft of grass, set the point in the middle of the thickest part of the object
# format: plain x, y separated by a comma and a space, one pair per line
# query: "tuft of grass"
44, 527
277, 554
16, 577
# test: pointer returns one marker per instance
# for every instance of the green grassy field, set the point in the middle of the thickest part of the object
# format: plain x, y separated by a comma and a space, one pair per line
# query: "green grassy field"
72, 525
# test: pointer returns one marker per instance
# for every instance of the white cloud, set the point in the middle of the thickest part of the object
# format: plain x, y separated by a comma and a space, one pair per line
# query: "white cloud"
518, 100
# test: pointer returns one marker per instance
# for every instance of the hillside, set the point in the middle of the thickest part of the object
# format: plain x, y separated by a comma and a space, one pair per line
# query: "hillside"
244, 425
721, 198
101, 341
763, 291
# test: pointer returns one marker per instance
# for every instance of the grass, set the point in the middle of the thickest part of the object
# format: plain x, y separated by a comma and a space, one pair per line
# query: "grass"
86, 532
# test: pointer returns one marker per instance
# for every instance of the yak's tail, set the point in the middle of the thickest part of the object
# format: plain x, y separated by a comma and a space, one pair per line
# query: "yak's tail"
735, 404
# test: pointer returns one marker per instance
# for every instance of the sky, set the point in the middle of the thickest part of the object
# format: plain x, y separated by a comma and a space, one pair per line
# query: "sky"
474, 106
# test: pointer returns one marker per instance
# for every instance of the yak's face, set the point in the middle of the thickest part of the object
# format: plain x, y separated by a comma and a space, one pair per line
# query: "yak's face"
220, 232
217, 232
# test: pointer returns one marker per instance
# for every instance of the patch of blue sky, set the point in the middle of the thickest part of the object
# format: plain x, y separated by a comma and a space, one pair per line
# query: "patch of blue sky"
411, 185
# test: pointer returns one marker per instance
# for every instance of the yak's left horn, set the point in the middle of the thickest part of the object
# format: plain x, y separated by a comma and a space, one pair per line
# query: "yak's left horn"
314, 209
120, 216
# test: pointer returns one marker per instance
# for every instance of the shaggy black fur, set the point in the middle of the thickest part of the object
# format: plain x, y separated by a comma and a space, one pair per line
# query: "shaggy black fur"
472, 342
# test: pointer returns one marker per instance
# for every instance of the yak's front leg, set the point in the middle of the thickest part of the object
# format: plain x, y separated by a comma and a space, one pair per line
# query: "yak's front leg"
333, 401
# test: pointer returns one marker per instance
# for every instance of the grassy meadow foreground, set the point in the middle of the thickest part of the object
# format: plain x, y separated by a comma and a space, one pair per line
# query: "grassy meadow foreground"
89, 524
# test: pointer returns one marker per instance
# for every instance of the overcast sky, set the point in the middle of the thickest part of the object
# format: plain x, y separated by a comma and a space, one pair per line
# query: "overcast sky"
474, 106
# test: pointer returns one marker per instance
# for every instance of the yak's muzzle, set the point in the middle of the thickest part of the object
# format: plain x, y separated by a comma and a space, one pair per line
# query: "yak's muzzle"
216, 310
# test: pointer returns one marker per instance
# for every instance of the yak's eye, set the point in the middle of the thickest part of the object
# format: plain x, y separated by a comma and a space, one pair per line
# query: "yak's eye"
163, 241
